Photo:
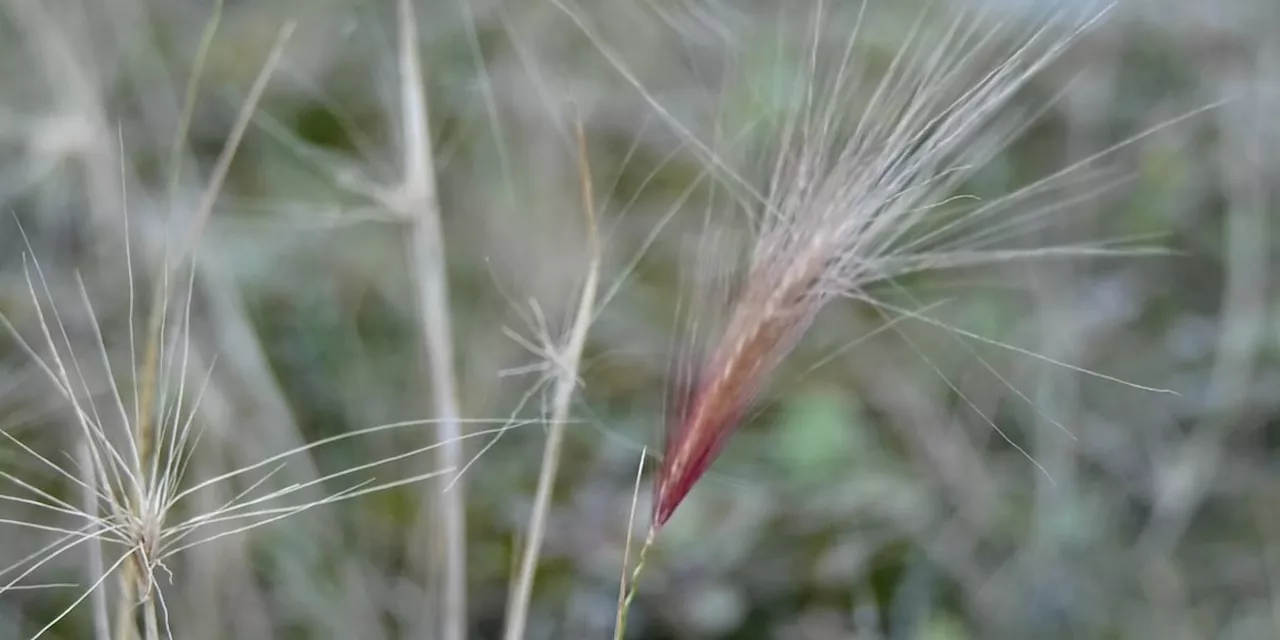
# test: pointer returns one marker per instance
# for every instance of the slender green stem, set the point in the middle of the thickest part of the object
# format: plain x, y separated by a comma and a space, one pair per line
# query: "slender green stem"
620, 628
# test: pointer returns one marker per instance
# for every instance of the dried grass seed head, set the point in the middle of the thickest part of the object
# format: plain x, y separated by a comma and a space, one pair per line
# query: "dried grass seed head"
861, 191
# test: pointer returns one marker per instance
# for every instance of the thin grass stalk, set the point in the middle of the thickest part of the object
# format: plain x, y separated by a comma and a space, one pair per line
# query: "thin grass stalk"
620, 628
189, 102
426, 250
126, 624
627, 587
137, 588
132, 590
96, 566
567, 363
151, 621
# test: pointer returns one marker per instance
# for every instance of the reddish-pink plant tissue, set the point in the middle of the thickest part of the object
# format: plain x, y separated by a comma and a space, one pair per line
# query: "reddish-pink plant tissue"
859, 195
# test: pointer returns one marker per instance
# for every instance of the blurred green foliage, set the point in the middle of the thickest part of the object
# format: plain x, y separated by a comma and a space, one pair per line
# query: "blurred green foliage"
882, 494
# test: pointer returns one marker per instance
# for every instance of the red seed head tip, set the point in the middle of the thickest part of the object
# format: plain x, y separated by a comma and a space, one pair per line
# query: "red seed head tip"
766, 320
677, 480
690, 452
669, 498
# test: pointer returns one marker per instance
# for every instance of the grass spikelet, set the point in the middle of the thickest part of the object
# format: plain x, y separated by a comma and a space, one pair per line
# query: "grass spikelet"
860, 191
139, 511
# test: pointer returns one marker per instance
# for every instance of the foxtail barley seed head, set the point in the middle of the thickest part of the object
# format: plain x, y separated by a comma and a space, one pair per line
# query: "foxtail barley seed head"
861, 190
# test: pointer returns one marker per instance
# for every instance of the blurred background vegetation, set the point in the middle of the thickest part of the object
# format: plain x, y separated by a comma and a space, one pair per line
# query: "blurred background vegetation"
870, 498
